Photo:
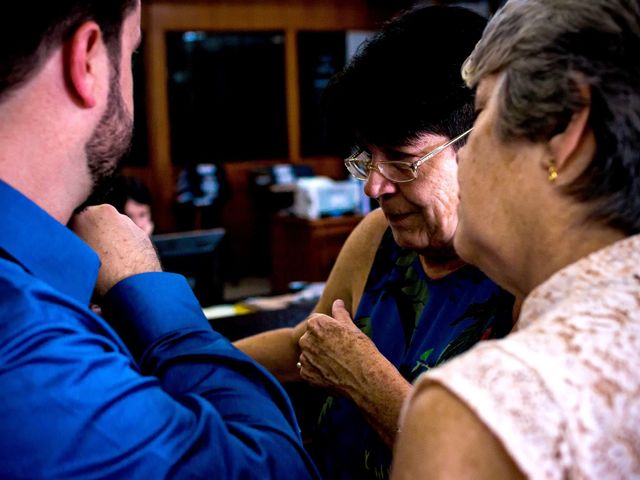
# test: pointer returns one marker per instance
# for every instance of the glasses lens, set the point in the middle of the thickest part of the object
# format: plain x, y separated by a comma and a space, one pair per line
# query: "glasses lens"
396, 171
358, 165
357, 169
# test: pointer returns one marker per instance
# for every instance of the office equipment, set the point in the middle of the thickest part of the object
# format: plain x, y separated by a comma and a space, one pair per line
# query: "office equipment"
317, 197
196, 255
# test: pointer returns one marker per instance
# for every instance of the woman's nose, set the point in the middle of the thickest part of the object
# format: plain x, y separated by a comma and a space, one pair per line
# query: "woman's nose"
376, 185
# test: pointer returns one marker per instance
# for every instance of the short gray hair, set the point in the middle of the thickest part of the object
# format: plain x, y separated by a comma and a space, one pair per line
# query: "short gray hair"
547, 50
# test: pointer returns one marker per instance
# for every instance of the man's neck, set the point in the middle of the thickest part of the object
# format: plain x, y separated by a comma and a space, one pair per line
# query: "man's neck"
42, 143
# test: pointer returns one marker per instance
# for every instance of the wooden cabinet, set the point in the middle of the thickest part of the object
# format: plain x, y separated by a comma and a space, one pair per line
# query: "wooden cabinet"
306, 249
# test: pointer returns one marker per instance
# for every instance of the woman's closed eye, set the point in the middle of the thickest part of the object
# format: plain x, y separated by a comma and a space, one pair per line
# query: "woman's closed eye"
399, 156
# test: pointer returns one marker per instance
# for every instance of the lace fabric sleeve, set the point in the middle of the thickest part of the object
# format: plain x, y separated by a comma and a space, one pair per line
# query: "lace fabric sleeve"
560, 395
502, 391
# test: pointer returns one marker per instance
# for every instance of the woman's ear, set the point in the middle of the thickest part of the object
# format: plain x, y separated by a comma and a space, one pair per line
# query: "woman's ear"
568, 148
84, 63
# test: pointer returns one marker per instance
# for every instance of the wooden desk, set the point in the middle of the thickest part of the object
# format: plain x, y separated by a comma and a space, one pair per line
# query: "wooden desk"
306, 249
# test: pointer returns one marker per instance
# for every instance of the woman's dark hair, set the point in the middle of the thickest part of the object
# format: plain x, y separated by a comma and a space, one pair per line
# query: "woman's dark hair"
405, 81
30, 31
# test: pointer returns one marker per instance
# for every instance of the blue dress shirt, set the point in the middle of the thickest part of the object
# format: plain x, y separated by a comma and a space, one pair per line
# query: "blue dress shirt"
156, 393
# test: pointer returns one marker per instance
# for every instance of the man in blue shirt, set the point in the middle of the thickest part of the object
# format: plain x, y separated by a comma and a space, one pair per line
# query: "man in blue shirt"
153, 392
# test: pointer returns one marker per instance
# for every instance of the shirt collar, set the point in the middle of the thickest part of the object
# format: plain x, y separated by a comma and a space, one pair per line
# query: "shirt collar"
44, 247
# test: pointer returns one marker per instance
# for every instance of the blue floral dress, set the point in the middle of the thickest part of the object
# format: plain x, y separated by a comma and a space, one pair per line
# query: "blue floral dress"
416, 323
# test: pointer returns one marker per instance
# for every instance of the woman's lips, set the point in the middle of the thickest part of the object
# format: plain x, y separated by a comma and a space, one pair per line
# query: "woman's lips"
395, 218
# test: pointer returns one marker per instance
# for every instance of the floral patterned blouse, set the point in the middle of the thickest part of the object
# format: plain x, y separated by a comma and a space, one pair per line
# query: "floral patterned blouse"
416, 323
562, 393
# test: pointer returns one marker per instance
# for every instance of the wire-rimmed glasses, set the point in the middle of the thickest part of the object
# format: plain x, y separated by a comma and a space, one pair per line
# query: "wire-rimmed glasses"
360, 164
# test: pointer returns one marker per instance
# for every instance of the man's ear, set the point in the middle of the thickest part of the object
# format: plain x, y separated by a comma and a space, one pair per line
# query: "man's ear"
85, 52
567, 147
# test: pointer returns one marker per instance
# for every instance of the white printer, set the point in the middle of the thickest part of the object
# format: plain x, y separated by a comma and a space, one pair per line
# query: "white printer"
316, 197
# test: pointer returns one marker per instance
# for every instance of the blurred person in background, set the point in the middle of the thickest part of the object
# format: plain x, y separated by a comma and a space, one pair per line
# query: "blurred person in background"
132, 198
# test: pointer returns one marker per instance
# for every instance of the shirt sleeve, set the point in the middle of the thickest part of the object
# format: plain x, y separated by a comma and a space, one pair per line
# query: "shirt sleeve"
187, 405
240, 409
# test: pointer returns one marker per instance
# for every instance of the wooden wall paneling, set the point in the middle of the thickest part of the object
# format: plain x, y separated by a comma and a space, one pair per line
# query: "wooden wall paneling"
267, 15
163, 183
292, 84
331, 167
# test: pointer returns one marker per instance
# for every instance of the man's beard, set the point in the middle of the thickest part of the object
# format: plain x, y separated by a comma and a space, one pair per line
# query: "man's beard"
110, 141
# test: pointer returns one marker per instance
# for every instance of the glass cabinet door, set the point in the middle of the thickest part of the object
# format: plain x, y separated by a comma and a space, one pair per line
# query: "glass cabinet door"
226, 96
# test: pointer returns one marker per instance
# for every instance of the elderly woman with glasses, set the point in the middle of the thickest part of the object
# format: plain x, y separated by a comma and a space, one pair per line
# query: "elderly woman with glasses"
550, 209
414, 302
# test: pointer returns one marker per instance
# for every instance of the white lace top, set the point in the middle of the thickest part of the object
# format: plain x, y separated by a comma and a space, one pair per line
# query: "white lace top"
562, 393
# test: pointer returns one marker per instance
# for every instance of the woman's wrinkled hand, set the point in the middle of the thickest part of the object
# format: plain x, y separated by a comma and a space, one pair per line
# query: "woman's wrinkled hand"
335, 354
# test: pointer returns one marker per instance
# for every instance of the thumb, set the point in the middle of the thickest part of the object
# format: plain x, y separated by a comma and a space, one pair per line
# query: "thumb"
339, 311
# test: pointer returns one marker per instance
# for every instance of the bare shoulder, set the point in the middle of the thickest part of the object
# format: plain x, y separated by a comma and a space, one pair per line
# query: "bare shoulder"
368, 233
442, 437
349, 274
362, 244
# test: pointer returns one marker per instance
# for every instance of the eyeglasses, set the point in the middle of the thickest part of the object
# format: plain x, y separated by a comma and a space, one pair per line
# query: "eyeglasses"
360, 164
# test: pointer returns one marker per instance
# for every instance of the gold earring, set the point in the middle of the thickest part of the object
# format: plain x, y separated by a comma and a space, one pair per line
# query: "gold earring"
553, 173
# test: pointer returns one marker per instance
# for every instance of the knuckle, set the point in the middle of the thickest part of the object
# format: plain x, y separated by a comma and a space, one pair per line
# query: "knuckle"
317, 321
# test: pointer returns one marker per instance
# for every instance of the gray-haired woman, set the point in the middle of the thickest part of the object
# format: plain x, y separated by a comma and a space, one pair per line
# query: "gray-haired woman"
550, 209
